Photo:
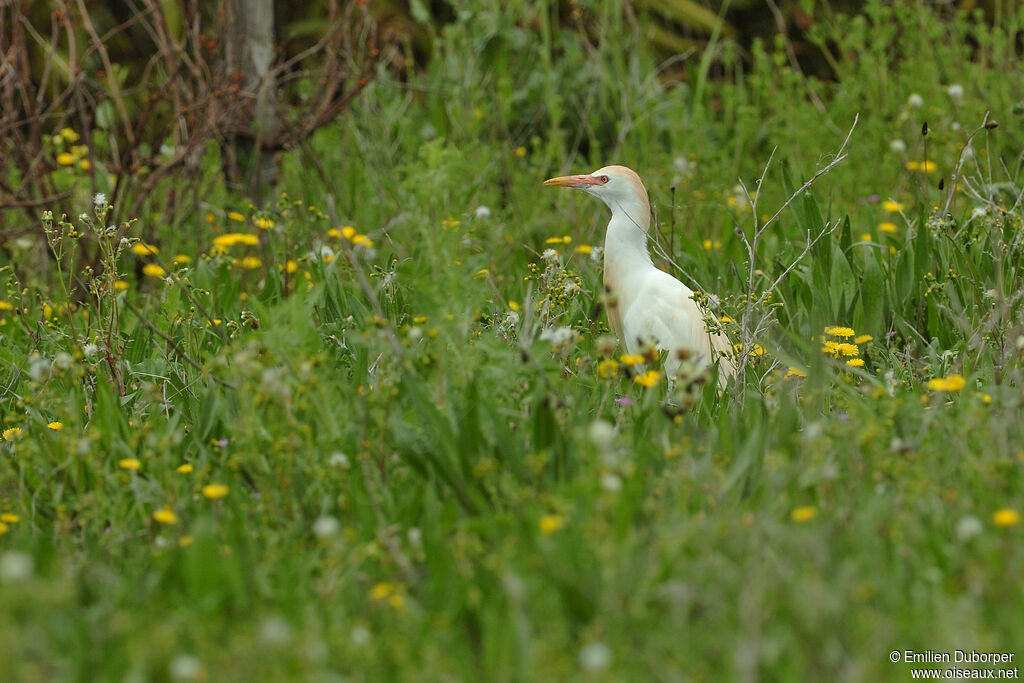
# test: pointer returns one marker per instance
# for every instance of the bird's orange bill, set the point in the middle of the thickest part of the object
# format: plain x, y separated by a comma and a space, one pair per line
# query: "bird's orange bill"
577, 181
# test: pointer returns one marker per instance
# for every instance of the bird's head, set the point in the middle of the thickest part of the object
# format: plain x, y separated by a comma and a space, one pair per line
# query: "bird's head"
617, 186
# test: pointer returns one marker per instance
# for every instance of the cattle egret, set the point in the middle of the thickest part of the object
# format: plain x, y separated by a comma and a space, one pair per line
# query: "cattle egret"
646, 305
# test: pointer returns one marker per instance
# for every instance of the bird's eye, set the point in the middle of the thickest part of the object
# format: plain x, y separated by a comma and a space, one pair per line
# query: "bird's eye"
603, 179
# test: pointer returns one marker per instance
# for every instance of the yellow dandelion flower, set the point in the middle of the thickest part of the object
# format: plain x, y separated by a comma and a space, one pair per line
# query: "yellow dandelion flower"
926, 166
419, 319
803, 514
362, 241
866, 237
230, 239
514, 305
725, 319
236, 216
184, 468
348, 232
549, 524
250, 262
334, 232
6, 306
56, 426
607, 369
382, 590
794, 372
9, 518
863, 338
631, 359
153, 270
85, 164
215, 491
264, 223
483, 272
185, 541
129, 464
165, 516
847, 349
855, 362
1005, 517
120, 285
892, 206
12, 433
842, 332
648, 379
210, 218
65, 159
182, 258
950, 383
888, 226
583, 249
143, 249
3, 528
520, 151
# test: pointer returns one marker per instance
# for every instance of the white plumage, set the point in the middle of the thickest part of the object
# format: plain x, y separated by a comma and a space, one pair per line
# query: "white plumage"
646, 304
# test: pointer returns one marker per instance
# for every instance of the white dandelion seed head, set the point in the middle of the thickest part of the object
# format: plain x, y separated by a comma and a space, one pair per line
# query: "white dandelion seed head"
558, 335
968, 528
595, 657
15, 566
915, 100
898, 146
549, 256
326, 526
99, 200
483, 211
955, 90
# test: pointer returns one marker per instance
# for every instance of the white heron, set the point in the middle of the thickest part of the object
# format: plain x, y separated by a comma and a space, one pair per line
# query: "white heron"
645, 304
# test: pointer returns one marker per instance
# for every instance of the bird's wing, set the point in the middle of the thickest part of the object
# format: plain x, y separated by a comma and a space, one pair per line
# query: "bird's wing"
664, 313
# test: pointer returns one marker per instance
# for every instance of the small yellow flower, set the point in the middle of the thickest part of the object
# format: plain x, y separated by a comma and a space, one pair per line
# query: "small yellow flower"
264, 223
892, 206
291, 266
153, 270
12, 433
866, 237
236, 216
382, 590
185, 541
85, 164
69, 134
129, 464
230, 239
165, 516
855, 362
250, 262
9, 518
184, 468
520, 151
182, 258
65, 159
648, 379
143, 249
583, 249
120, 285
888, 226
794, 372
419, 319
210, 218
926, 166
607, 369
842, 332
950, 383
56, 426
482, 273
863, 338
1006, 517
215, 491
362, 241
549, 524
3, 528
803, 514
6, 306
348, 232
631, 359
514, 305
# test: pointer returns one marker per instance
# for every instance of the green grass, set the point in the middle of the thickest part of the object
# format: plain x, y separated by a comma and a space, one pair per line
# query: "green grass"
420, 488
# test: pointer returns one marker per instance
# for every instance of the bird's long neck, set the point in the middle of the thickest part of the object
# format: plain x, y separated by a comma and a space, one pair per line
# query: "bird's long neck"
625, 257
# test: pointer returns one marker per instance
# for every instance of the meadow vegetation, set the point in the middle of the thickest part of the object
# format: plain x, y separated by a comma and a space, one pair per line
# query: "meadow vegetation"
375, 429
